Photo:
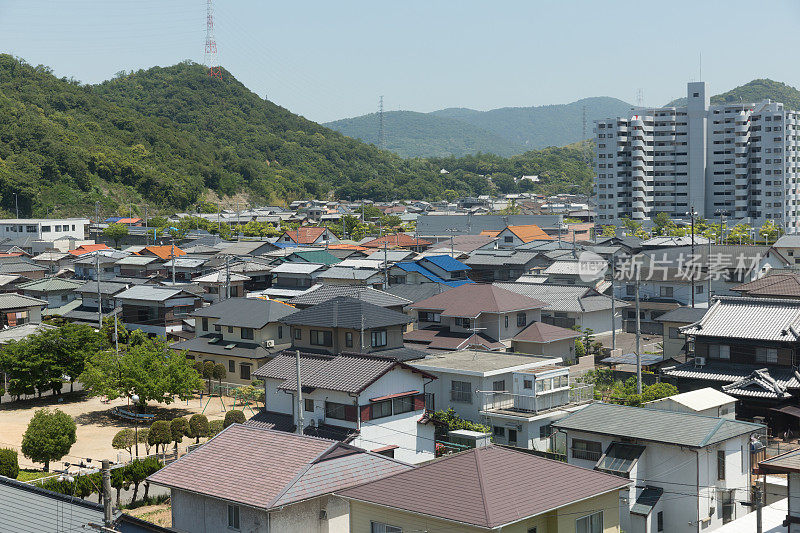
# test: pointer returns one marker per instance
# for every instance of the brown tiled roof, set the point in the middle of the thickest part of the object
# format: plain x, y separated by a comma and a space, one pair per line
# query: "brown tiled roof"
398, 240
780, 285
305, 235
473, 487
541, 332
530, 232
472, 299
444, 339
266, 469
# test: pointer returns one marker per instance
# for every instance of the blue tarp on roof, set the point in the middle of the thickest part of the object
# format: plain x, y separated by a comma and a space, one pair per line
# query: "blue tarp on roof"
447, 263
111, 220
410, 266
287, 244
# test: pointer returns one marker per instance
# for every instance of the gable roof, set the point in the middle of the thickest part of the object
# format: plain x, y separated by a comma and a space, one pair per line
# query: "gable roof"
305, 234
473, 299
766, 319
163, 252
316, 256
417, 292
220, 276
86, 248
529, 232
570, 298
398, 240
151, 293
265, 468
473, 488
408, 266
245, 312
446, 263
51, 284
670, 427
544, 333
12, 300
784, 284
697, 400
347, 312
367, 294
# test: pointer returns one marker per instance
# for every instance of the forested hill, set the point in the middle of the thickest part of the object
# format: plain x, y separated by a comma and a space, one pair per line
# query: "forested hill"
755, 91
165, 136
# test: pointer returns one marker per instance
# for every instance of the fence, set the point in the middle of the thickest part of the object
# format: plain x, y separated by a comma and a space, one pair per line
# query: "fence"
503, 401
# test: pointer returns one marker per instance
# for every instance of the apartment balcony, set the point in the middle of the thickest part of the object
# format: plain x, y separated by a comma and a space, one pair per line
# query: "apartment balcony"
524, 405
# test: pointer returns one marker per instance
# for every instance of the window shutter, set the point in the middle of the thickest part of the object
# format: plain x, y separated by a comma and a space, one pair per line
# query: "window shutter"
351, 413
365, 412
419, 402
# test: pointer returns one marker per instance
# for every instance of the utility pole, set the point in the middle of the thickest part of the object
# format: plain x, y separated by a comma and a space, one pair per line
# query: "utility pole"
613, 305
16, 204
757, 496
385, 266
172, 256
299, 396
238, 222
108, 518
638, 339
99, 294
690, 273
228, 277
145, 217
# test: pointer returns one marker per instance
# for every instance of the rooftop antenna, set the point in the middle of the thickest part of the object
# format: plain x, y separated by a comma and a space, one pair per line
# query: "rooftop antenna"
381, 129
211, 59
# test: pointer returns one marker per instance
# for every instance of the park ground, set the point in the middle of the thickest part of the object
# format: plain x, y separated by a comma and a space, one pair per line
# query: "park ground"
96, 425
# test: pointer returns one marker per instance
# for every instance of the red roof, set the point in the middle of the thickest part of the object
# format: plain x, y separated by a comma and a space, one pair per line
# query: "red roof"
472, 299
345, 246
544, 333
87, 248
398, 240
305, 235
473, 487
162, 252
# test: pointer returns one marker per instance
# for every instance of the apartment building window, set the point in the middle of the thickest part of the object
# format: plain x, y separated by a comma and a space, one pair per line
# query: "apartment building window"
321, 338
248, 333
766, 355
380, 409
232, 367
666, 292
308, 405
380, 527
522, 320
592, 523
233, 516
660, 521
721, 465
460, 391
244, 371
586, 449
348, 339
379, 338
499, 385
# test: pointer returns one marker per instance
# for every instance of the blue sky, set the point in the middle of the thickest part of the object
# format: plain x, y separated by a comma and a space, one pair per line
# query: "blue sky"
329, 60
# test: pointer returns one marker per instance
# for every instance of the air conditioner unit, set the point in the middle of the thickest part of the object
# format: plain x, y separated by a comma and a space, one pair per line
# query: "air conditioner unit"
269, 344
699, 361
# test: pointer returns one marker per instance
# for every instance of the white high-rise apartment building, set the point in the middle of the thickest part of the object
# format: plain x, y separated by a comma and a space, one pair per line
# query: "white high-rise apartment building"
738, 160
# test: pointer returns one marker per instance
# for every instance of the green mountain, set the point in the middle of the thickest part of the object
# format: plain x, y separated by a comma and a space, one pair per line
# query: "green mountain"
412, 134
755, 91
165, 137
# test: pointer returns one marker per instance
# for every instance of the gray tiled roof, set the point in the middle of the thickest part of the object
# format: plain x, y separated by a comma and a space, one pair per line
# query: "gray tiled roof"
764, 319
106, 287
566, 298
417, 292
211, 344
686, 315
347, 312
151, 293
12, 300
367, 294
246, 312
682, 429
338, 272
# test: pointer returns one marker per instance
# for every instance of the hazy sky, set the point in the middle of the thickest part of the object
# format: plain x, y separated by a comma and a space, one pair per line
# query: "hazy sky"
329, 60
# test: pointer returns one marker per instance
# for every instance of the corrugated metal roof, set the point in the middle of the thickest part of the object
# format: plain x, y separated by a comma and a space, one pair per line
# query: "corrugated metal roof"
682, 429
698, 400
764, 319
446, 263
297, 268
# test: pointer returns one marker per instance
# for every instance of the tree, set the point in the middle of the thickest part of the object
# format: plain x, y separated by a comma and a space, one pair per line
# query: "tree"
234, 416
9, 463
198, 427
179, 427
144, 438
148, 368
115, 232
160, 433
49, 436
504, 183
136, 472
208, 373
151, 465
125, 439
609, 231
215, 426
656, 391
219, 373
770, 232
119, 481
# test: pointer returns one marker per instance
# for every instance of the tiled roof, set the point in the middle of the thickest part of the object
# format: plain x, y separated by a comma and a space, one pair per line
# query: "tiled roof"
51, 284
415, 293
220, 276
246, 312
529, 232
347, 312
444, 339
11, 300
567, 298
786, 462
541, 332
398, 240
150, 293
764, 319
727, 372
473, 299
446, 263
464, 243
500, 258
137, 260
164, 252
671, 427
367, 294
215, 345
340, 272
473, 488
86, 248
777, 285
305, 235
686, 315
265, 468
316, 256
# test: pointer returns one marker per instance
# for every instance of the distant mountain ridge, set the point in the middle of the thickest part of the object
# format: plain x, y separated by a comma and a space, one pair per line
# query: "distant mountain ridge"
755, 91
462, 131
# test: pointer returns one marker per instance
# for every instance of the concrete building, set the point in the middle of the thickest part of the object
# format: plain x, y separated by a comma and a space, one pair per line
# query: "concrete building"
47, 229
734, 159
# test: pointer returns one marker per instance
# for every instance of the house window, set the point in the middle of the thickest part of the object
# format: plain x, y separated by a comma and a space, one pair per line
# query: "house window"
427, 316
721, 465
499, 431
280, 332
217, 328
298, 334
379, 338
380, 409
233, 516
660, 521
247, 333
766, 355
545, 431
726, 502
321, 338
721, 351
308, 405
232, 366
404, 404
508, 239
430, 401
461, 391
592, 523
527, 383
380, 527
463, 322
230, 329
337, 411
522, 320
586, 449
698, 289
499, 386
512, 436
205, 324
348, 339
666, 292
674, 333
244, 371
45, 229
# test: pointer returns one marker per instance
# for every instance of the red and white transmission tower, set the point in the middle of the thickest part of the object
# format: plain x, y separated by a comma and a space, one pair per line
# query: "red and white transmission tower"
211, 44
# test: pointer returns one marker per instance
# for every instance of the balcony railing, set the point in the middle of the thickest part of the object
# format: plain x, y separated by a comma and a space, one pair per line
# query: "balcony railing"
527, 404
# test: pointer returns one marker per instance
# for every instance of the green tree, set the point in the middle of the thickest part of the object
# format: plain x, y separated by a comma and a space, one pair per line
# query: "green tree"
656, 391
219, 373
215, 426
125, 439
609, 231
119, 481
115, 232
208, 373
179, 427
144, 438
198, 427
160, 434
136, 472
770, 232
49, 436
9, 463
234, 416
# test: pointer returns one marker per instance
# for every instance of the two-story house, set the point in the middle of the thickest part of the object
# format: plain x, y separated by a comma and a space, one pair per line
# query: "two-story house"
58, 292
156, 310
500, 265
16, 310
513, 236
220, 285
293, 279
690, 472
239, 333
307, 235
472, 315
373, 402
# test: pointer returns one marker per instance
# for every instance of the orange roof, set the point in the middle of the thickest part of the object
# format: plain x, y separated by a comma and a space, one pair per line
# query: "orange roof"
345, 246
530, 232
87, 248
400, 240
163, 252
305, 235
489, 233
